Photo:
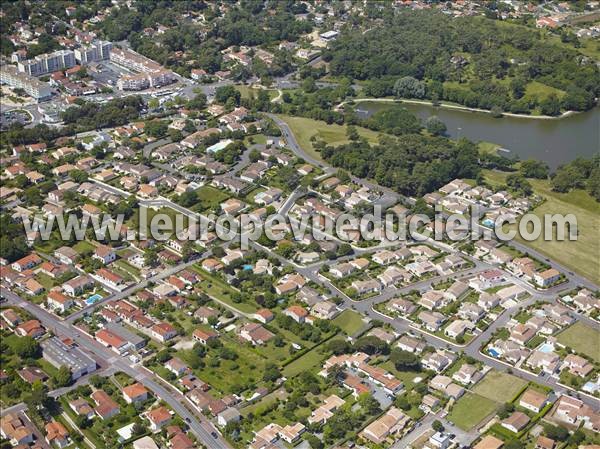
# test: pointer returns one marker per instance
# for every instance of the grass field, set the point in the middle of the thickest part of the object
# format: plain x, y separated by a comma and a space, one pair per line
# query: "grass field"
210, 197
541, 91
499, 387
248, 367
470, 410
580, 337
349, 321
488, 147
305, 128
306, 362
247, 92
83, 246
581, 255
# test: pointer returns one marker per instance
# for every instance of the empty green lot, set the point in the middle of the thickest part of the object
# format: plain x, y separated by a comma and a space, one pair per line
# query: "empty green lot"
583, 339
499, 387
470, 410
349, 321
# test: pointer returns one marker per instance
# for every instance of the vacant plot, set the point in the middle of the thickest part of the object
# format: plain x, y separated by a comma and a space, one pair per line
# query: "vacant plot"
83, 246
581, 338
349, 321
306, 362
210, 197
580, 255
470, 410
499, 387
305, 128
248, 368
218, 289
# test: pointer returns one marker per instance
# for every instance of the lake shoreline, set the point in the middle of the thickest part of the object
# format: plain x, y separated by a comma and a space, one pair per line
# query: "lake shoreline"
457, 107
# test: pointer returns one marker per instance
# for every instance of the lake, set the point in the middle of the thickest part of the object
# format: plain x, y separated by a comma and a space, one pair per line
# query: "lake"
553, 141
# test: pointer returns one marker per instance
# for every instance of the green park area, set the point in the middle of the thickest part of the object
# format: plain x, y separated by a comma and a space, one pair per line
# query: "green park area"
305, 128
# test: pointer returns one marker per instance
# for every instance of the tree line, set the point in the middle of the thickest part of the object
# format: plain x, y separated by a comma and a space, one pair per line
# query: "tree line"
473, 61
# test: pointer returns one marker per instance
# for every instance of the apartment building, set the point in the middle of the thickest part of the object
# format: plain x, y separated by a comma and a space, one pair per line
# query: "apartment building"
96, 51
35, 88
48, 63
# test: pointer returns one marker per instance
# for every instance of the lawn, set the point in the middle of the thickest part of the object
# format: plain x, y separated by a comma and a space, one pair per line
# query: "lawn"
407, 377
210, 197
248, 92
349, 321
488, 147
539, 91
305, 128
470, 410
255, 139
499, 387
228, 375
306, 362
580, 337
581, 255
83, 246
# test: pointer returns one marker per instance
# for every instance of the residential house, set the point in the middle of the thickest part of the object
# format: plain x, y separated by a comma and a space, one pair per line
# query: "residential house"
158, 417
106, 407
135, 393
515, 422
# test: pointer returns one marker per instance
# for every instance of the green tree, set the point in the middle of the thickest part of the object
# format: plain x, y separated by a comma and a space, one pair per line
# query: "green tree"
435, 126
404, 360
550, 105
532, 168
409, 87
62, 377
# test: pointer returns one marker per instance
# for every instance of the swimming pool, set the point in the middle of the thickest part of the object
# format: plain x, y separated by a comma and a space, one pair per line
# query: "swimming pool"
493, 353
546, 348
488, 222
92, 299
247, 267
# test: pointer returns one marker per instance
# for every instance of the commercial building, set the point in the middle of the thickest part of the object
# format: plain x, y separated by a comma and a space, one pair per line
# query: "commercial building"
35, 88
48, 63
59, 354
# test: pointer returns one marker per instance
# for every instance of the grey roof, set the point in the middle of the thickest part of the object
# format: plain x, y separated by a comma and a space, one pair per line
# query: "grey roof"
59, 354
125, 334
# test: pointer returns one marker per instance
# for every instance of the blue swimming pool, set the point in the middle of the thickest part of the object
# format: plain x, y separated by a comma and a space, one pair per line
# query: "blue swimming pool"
488, 222
546, 348
493, 353
247, 267
92, 299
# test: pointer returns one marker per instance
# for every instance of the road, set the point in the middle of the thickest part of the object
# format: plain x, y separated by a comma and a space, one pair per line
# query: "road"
402, 325
388, 197
199, 425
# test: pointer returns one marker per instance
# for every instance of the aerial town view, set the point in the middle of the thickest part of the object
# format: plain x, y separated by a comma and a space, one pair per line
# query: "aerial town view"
308, 224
